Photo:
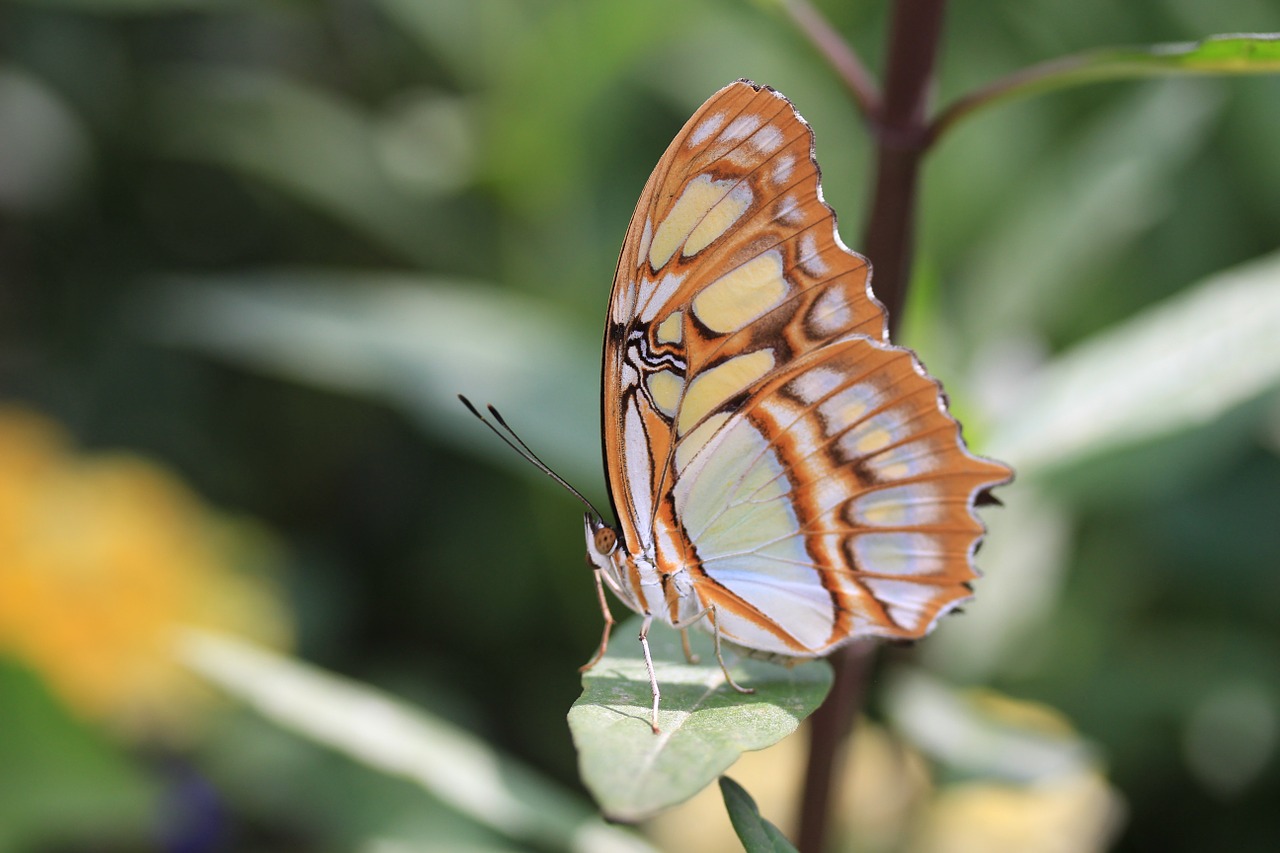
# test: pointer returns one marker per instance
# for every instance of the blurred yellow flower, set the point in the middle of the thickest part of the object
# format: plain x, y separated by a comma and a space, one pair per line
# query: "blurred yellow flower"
880, 791
1032, 785
1078, 813
102, 559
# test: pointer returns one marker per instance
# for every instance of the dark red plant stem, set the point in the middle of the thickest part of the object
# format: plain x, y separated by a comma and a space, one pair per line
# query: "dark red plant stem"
828, 728
901, 136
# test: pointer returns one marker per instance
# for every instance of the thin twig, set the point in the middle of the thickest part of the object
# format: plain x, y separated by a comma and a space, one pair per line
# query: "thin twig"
839, 54
1025, 81
1234, 53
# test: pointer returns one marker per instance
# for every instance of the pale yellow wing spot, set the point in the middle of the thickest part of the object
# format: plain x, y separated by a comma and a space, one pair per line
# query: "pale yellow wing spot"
698, 197
664, 389
876, 434
689, 446
711, 388
719, 219
742, 295
899, 506
848, 406
646, 239
671, 330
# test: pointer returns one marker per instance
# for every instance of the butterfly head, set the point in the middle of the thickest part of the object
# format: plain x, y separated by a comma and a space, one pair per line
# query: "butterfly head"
606, 554
602, 542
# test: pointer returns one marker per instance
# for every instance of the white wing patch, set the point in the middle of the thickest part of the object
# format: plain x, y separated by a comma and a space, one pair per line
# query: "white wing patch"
733, 504
706, 129
655, 295
767, 140
811, 258
782, 169
741, 127
909, 505
639, 471
830, 312
812, 385
905, 601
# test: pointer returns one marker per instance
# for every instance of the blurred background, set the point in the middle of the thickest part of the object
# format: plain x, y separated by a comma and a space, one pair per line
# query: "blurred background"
250, 251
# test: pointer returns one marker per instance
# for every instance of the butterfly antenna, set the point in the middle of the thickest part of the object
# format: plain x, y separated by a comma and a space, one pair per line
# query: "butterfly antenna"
524, 451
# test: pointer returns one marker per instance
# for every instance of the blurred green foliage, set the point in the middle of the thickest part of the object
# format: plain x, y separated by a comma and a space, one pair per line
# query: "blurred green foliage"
267, 242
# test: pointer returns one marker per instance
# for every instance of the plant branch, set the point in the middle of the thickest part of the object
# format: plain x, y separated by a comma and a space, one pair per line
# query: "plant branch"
839, 54
901, 136
829, 726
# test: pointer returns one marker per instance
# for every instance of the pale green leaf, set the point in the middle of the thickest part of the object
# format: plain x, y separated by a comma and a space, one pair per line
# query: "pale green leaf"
1176, 366
413, 341
328, 152
1064, 226
705, 724
62, 778
976, 734
395, 738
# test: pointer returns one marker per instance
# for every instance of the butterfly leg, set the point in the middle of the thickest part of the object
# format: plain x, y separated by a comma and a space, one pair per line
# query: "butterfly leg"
608, 624
688, 650
648, 662
711, 614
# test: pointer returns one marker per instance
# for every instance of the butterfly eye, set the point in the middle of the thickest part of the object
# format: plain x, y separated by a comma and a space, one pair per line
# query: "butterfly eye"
606, 539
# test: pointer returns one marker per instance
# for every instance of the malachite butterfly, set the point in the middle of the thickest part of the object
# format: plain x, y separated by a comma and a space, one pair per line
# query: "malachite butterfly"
782, 475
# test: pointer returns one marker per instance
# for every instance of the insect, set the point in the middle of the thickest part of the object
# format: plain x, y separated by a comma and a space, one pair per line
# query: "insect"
782, 475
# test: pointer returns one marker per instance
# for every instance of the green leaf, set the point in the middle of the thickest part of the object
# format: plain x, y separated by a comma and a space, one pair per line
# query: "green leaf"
706, 725
756, 834
138, 7
397, 739
1064, 226
1179, 365
415, 341
60, 778
326, 151
1244, 53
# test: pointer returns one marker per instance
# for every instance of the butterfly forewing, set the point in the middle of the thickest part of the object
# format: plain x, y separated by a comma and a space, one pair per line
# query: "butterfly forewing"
761, 435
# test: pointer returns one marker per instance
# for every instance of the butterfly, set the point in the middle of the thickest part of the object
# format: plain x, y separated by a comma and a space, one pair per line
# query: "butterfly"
782, 475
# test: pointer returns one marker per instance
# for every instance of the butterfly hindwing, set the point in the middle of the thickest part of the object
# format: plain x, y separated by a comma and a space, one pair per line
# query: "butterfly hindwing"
834, 503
